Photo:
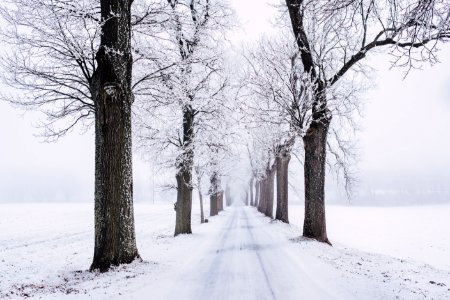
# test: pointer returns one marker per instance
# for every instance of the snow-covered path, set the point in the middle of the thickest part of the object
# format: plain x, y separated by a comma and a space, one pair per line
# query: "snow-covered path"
246, 259
45, 250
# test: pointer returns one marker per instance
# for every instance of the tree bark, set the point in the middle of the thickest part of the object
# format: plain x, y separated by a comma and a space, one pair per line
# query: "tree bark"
315, 158
202, 215
115, 241
213, 205
262, 196
184, 175
259, 189
269, 192
252, 200
257, 200
220, 201
216, 195
184, 203
282, 162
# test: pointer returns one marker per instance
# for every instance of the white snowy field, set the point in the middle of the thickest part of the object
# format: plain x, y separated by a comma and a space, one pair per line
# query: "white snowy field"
378, 253
420, 233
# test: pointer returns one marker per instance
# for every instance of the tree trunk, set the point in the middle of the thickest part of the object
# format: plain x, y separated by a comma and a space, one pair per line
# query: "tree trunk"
282, 162
200, 195
184, 175
316, 136
258, 191
216, 195
219, 203
252, 203
220, 200
262, 196
213, 205
269, 192
315, 158
257, 194
202, 215
115, 241
184, 203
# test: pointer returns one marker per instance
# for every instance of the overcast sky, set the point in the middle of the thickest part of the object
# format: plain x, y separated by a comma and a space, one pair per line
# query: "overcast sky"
405, 143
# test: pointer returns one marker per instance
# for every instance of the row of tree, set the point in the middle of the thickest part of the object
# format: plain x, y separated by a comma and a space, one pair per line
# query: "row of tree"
152, 67
297, 82
154, 71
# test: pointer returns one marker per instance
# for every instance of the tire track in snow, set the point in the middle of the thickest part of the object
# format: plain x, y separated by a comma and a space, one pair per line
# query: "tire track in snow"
243, 257
261, 263
231, 266
236, 241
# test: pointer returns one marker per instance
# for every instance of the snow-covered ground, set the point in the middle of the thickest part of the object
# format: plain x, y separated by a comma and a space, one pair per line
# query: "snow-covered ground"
378, 253
421, 233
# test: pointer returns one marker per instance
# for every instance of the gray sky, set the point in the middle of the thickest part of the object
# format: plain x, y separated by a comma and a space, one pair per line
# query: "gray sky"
405, 144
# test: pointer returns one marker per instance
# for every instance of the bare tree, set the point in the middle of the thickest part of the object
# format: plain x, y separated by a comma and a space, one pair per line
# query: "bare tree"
210, 153
115, 241
213, 152
282, 103
283, 96
189, 93
333, 38
262, 161
51, 61
72, 61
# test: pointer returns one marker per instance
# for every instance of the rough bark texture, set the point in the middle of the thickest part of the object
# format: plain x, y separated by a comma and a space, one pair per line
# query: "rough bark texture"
184, 175
315, 158
115, 241
282, 162
184, 203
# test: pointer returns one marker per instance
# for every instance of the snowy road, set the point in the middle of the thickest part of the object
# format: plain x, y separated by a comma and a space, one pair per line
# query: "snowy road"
45, 250
246, 259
